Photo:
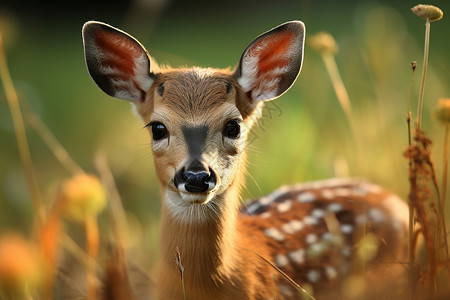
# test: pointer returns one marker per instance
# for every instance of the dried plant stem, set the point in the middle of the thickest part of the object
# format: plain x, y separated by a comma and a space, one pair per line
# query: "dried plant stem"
344, 100
338, 84
117, 269
444, 194
19, 128
181, 270
424, 71
92, 245
411, 244
289, 279
70, 246
118, 217
445, 168
57, 149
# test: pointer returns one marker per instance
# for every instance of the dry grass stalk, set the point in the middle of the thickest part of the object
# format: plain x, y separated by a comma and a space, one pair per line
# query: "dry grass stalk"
181, 270
411, 243
21, 136
421, 175
116, 211
54, 145
294, 284
443, 116
325, 44
117, 282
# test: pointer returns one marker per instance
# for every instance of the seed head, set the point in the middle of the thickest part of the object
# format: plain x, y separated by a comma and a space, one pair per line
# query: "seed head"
323, 42
83, 195
429, 12
19, 262
443, 110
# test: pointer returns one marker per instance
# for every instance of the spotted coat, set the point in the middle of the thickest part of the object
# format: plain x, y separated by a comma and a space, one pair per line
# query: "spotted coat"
320, 233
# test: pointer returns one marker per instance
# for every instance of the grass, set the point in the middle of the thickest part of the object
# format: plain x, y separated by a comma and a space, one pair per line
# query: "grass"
311, 129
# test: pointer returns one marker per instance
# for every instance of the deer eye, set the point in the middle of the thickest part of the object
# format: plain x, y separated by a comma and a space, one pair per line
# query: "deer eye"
159, 131
232, 129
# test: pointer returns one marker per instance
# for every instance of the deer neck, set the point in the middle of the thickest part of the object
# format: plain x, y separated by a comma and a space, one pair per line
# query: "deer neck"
206, 246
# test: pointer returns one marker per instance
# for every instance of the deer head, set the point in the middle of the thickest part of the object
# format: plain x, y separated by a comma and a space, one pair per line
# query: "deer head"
199, 118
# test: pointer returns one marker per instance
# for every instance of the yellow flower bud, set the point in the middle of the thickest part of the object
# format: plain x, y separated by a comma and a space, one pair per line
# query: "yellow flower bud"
443, 110
19, 262
429, 12
83, 195
323, 42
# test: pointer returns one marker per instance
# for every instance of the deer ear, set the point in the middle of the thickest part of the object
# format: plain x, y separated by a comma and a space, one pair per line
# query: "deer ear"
271, 63
116, 61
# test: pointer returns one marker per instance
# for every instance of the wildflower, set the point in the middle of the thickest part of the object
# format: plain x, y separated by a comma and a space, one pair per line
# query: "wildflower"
83, 196
443, 110
323, 42
430, 12
19, 263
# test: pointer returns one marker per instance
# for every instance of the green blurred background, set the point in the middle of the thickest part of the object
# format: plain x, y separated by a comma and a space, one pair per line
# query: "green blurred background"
304, 137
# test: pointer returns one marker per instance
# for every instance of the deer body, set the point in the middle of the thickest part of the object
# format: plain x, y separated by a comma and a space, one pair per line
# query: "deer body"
199, 120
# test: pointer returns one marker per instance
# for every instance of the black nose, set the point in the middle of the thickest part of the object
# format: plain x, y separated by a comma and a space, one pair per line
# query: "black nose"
196, 182
195, 179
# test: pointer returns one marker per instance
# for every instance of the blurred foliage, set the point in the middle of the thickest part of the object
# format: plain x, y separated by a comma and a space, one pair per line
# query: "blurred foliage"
306, 136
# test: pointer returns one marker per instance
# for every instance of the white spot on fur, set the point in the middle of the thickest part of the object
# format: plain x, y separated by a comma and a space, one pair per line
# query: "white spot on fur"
346, 228
292, 226
296, 225
284, 206
346, 251
318, 213
264, 201
311, 238
317, 248
265, 215
281, 260
342, 192
310, 220
335, 207
326, 236
334, 239
377, 215
306, 197
313, 276
361, 219
331, 272
274, 233
359, 191
285, 290
373, 188
327, 194
297, 256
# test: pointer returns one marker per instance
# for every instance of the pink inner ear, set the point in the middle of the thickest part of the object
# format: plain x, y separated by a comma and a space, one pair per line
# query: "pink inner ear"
273, 52
120, 54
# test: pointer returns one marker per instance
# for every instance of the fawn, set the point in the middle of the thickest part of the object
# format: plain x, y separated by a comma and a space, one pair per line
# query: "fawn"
199, 119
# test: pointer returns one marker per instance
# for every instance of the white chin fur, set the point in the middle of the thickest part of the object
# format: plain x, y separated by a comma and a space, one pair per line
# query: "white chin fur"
190, 207
196, 198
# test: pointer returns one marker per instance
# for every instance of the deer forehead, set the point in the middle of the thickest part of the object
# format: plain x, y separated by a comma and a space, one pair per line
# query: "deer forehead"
192, 97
